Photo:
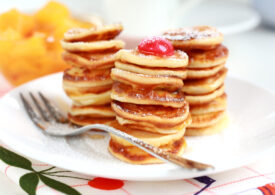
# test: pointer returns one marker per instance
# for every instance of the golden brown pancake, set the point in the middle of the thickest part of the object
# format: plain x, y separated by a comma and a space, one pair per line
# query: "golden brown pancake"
85, 115
127, 152
134, 155
206, 85
96, 33
218, 104
84, 120
200, 73
88, 87
86, 78
207, 58
146, 81
205, 120
126, 93
90, 61
155, 139
93, 47
210, 130
149, 127
204, 98
102, 111
86, 99
197, 37
78, 88
206, 117
155, 71
151, 117
178, 60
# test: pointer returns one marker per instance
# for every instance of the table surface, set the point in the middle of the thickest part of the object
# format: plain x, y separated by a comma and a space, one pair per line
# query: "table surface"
8, 187
251, 57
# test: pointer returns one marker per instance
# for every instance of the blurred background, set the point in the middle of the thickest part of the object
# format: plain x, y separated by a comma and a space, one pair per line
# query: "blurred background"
30, 31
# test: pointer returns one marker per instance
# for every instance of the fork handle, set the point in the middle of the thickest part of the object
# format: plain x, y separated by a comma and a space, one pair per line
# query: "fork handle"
154, 151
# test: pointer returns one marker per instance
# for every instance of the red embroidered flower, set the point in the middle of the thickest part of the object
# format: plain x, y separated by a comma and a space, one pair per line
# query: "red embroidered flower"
106, 184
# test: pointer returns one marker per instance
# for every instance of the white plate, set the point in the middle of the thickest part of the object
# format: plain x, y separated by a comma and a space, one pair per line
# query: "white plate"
251, 133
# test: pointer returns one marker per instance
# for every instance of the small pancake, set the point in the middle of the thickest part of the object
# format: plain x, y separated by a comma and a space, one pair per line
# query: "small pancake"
134, 155
206, 85
126, 93
218, 104
150, 138
90, 61
176, 72
146, 81
86, 99
74, 88
93, 47
204, 98
78, 82
86, 120
125, 151
197, 37
151, 127
200, 73
213, 129
205, 120
178, 60
105, 32
209, 58
156, 116
102, 111
159, 115
87, 78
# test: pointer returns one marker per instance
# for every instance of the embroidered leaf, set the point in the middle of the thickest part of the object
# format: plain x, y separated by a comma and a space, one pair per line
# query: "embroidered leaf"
28, 183
15, 160
57, 185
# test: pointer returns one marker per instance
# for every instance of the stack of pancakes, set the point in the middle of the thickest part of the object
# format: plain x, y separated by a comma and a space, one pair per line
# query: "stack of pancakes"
149, 104
206, 72
91, 53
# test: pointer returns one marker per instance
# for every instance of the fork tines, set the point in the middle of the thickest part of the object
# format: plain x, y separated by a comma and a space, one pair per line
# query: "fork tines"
42, 113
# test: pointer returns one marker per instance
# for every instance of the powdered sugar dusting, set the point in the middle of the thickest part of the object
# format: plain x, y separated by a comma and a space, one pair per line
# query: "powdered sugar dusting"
89, 148
197, 32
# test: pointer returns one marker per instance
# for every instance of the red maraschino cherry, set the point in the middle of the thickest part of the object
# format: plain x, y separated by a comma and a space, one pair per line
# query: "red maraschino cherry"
157, 46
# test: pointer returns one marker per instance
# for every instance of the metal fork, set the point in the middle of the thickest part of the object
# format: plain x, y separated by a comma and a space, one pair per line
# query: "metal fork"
47, 117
